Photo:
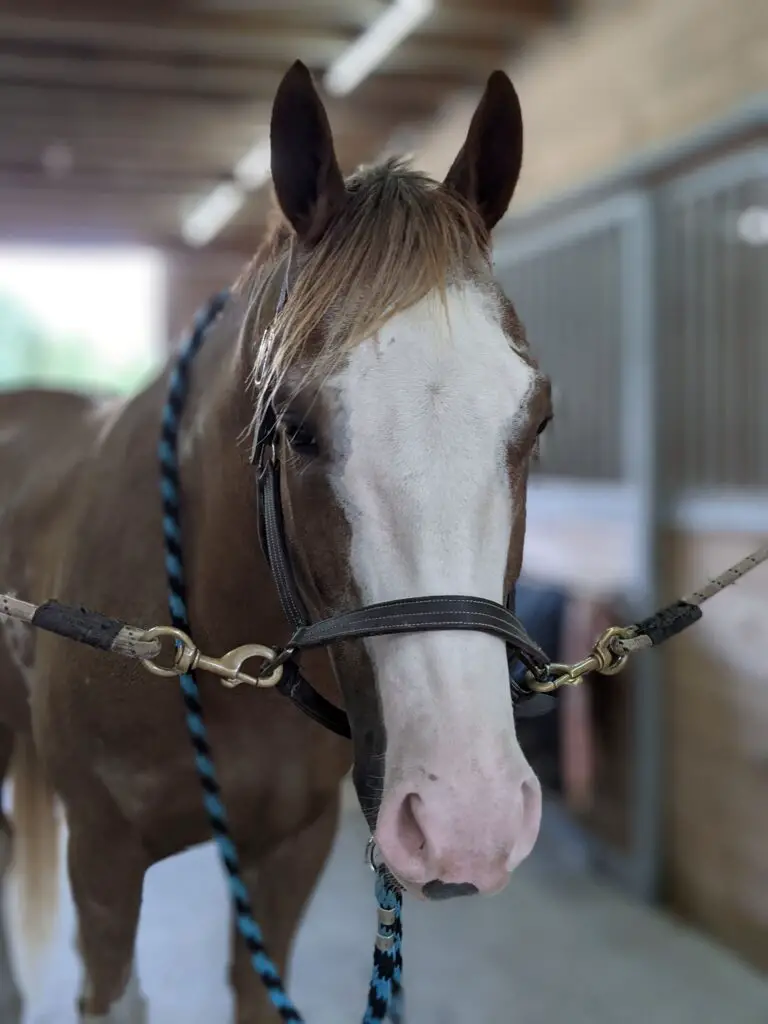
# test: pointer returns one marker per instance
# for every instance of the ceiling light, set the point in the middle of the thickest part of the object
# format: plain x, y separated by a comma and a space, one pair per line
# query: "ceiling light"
752, 225
254, 169
210, 216
400, 19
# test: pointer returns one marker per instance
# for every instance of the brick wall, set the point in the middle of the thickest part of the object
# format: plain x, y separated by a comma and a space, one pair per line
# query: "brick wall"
621, 79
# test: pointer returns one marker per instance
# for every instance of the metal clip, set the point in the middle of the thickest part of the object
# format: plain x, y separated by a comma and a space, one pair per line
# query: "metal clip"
228, 667
603, 659
386, 918
370, 854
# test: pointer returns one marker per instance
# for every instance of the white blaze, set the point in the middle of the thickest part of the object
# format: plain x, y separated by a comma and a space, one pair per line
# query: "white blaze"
427, 412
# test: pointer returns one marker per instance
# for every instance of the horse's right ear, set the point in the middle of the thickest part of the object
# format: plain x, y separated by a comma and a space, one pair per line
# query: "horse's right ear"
487, 168
306, 175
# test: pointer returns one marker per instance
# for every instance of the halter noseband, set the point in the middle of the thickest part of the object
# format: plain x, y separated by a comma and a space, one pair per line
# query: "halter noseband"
407, 615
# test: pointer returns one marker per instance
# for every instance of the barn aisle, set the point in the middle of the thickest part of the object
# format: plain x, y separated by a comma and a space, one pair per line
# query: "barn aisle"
555, 946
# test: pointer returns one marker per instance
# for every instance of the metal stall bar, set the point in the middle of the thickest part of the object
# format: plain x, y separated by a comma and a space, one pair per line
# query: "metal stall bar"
622, 382
640, 462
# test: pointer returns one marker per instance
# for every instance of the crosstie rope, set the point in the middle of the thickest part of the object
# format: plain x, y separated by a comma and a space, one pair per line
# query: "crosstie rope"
698, 597
110, 634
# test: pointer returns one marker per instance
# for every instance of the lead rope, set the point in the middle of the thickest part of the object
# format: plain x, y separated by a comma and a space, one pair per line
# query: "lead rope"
385, 991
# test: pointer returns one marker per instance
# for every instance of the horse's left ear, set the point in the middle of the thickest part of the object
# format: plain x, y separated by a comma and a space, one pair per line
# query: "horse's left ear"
308, 182
488, 165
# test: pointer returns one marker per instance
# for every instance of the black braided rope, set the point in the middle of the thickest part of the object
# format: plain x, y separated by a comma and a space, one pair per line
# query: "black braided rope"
385, 992
177, 601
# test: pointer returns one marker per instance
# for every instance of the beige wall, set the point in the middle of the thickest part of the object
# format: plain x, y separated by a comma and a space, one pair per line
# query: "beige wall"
717, 748
627, 77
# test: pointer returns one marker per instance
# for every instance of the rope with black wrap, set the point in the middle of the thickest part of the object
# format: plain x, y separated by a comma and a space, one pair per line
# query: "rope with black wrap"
613, 648
608, 656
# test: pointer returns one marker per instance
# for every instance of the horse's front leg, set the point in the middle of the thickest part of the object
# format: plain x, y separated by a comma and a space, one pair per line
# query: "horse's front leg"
10, 996
280, 885
107, 864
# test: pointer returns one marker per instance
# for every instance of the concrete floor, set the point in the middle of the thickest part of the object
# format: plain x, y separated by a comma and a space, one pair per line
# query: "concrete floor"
555, 946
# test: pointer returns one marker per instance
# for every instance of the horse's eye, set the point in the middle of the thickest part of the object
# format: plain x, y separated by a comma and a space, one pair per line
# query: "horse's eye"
301, 439
543, 426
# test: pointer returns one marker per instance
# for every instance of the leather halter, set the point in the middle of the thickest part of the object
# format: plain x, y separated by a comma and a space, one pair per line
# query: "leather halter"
407, 615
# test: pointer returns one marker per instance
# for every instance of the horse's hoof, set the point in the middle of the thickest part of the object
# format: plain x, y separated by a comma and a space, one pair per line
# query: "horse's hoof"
135, 1011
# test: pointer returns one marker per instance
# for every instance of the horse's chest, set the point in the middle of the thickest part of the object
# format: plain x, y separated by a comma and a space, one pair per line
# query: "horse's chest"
272, 783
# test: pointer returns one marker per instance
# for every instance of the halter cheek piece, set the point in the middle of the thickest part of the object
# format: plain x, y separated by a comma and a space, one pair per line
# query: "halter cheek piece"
408, 615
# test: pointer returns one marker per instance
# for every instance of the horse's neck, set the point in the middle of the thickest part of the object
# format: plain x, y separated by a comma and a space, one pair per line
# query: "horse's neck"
230, 591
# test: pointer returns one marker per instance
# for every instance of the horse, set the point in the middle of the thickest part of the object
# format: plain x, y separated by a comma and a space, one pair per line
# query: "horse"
407, 409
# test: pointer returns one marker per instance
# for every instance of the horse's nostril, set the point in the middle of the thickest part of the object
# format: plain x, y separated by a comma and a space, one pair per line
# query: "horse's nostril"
411, 834
530, 798
437, 890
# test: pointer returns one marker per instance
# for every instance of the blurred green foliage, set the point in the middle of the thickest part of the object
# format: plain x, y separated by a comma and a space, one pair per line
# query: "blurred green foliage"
33, 356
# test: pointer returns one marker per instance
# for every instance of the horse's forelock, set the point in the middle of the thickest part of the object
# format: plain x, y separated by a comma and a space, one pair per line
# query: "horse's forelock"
399, 237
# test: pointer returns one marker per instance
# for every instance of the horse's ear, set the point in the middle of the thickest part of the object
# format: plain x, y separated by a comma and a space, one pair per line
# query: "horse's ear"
307, 179
488, 165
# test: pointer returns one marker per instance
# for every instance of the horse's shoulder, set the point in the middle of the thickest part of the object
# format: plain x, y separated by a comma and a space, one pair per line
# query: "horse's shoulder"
44, 437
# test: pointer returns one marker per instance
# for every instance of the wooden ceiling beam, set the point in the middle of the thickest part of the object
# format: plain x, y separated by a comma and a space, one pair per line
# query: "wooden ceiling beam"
121, 158
206, 14
524, 15
84, 183
119, 33
426, 54
381, 97
291, 17
209, 80
188, 132
183, 136
157, 78
81, 103
272, 39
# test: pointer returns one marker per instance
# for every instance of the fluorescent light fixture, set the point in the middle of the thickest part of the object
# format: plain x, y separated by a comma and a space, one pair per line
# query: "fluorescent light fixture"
752, 225
220, 206
375, 44
254, 169
209, 217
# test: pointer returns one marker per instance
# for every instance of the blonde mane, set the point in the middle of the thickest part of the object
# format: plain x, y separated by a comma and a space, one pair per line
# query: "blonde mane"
399, 237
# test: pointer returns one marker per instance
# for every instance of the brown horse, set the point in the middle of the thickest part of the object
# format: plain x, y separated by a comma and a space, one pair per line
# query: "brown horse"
409, 408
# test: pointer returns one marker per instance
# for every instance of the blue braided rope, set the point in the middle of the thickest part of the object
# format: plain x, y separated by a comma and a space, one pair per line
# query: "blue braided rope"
397, 993
385, 990
385, 993
177, 602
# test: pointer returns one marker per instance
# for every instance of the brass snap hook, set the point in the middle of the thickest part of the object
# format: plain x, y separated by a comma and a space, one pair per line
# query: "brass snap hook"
228, 667
602, 659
